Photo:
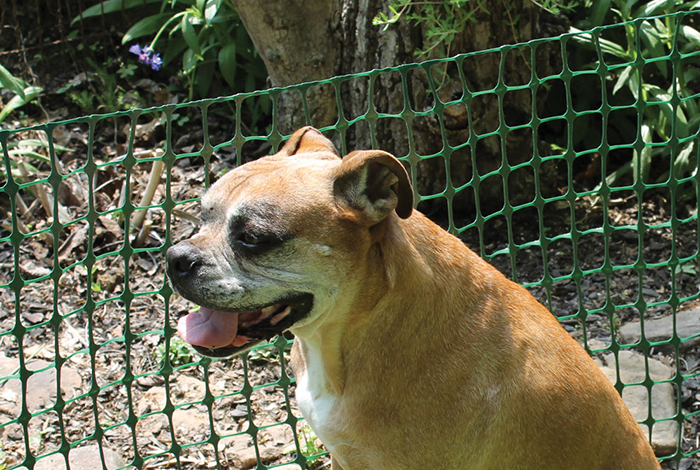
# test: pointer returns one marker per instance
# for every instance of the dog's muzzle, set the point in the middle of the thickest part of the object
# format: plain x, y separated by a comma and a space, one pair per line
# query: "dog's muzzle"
221, 331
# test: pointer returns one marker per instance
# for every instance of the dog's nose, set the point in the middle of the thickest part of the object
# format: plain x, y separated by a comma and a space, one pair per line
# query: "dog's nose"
183, 259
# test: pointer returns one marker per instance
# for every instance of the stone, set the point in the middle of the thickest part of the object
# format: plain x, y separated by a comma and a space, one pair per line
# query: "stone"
273, 443
661, 329
636, 397
86, 457
41, 387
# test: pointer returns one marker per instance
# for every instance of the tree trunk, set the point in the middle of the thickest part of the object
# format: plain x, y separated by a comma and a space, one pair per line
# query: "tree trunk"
302, 41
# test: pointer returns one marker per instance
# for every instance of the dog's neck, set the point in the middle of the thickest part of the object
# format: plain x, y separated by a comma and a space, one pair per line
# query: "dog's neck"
318, 352
406, 262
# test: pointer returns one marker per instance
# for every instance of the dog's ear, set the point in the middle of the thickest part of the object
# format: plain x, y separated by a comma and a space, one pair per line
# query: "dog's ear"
307, 139
376, 183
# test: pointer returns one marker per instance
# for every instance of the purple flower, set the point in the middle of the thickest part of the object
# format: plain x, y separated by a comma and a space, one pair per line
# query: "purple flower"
145, 57
156, 62
143, 52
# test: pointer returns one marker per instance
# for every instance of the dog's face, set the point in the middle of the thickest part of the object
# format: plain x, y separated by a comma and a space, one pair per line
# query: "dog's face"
279, 236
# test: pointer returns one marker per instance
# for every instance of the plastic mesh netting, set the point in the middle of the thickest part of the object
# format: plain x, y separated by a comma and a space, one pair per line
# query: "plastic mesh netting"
90, 363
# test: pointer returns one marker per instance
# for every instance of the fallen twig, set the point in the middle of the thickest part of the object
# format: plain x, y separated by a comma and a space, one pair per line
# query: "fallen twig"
37, 189
44, 197
153, 182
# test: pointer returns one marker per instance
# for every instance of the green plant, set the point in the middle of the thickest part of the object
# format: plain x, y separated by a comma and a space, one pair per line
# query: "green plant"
688, 269
309, 445
270, 354
179, 352
441, 20
558, 7
654, 85
264, 354
3, 460
23, 93
207, 37
26, 150
97, 90
95, 286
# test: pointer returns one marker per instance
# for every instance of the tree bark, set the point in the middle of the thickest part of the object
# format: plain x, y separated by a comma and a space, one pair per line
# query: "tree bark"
302, 41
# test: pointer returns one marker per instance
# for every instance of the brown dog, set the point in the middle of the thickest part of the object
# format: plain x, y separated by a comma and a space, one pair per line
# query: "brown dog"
411, 352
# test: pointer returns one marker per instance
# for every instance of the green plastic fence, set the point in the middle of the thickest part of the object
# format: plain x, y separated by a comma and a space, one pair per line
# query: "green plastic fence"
86, 312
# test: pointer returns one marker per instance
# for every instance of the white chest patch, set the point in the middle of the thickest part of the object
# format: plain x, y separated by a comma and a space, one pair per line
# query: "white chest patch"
315, 401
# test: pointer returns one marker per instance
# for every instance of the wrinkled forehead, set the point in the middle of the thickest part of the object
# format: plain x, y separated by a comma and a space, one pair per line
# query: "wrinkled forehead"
273, 188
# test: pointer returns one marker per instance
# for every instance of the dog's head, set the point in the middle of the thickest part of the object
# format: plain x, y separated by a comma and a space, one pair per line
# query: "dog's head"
279, 237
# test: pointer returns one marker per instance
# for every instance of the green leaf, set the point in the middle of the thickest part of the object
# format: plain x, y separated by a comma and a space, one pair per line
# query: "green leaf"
658, 93
683, 164
626, 9
606, 46
598, 11
622, 79
113, 6
175, 47
655, 7
205, 72
146, 27
110, 6
654, 45
42, 143
189, 61
12, 83
663, 98
190, 35
691, 108
691, 34
634, 85
24, 152
16, 102
210, 10
641, 161
228, 64
613, 177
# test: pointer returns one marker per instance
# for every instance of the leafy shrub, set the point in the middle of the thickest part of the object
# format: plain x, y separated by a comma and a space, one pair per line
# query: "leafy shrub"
23, 93
670, 103
206, 38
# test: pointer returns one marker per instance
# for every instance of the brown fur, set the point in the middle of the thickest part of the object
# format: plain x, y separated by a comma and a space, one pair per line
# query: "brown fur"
429, 357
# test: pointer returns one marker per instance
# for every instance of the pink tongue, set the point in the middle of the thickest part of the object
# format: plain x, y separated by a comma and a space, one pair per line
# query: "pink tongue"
209, 328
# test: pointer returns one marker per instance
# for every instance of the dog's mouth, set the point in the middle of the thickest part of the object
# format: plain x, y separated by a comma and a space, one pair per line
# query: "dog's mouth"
216, 333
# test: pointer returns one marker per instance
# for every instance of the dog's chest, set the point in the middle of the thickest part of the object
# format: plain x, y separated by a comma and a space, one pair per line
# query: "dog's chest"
316, 403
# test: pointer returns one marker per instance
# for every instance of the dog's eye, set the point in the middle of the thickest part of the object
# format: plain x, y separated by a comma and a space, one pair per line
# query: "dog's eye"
250, 239
256, 240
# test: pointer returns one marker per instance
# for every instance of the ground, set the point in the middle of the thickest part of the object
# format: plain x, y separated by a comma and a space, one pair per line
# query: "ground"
124, 371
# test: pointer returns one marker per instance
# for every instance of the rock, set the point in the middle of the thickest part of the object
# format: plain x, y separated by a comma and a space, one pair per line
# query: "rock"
82, 458
686, 464
633, 370
153, 400
41, 387
273, 442
191, 423
661, 329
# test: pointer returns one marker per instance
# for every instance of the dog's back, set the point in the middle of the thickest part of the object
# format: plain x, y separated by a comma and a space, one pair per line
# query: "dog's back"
457, 367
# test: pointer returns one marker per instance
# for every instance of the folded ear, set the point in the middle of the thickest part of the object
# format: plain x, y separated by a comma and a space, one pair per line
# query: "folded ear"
374, 182
307, 139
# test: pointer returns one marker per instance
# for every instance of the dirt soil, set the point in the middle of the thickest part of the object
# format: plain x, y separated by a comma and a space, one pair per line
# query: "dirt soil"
96, 318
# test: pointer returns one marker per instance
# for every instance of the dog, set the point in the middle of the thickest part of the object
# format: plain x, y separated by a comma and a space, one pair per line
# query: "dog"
410, 351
